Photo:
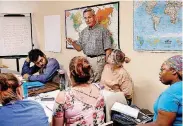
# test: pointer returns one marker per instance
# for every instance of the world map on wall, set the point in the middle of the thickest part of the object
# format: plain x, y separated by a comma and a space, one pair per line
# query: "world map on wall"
158, 25
106, 15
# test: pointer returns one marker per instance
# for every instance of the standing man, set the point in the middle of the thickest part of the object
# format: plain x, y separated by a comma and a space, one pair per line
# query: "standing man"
47, 67
95, 42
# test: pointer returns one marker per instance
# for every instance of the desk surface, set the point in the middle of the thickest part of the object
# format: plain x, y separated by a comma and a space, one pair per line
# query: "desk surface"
47, 105
48, 87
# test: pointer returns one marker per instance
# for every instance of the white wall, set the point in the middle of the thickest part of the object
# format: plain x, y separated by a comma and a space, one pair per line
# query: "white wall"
19, 7
144, 66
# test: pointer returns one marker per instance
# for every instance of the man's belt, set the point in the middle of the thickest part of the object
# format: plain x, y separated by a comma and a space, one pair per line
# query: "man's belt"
92, 56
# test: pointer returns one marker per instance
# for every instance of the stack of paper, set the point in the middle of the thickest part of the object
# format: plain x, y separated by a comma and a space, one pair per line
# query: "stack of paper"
125, 109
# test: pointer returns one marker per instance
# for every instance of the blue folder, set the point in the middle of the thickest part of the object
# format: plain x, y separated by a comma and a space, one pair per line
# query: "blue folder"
33, 84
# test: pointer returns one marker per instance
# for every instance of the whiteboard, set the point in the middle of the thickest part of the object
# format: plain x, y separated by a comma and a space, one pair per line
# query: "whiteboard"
15, 35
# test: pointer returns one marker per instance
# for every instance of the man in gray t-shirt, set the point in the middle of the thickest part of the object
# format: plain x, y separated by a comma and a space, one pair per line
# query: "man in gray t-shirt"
95, 42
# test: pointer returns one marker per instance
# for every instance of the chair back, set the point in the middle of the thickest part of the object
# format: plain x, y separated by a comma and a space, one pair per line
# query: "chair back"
110, 98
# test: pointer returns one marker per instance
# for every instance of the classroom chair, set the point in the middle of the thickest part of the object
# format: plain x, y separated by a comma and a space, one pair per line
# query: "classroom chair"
110, 98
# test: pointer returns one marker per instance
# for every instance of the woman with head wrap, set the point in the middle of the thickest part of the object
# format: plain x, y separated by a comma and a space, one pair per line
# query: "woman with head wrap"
115, 77
168, 107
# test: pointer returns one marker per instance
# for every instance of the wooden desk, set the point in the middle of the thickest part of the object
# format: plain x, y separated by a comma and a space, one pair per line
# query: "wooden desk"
49, 86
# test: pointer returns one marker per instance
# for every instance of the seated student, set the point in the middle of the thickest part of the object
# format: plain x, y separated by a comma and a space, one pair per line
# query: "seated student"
83, 103
16, 111
115, 77
168, 107
47, 67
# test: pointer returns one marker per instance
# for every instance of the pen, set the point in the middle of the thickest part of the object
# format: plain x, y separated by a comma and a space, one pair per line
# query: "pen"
48, 108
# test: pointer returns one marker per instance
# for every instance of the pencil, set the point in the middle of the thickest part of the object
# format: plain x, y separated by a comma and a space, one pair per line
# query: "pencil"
48, 108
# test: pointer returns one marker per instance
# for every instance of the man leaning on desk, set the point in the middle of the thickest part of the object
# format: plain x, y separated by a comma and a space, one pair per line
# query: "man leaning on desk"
47, 67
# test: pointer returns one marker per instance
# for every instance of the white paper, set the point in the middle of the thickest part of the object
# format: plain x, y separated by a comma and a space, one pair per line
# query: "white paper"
15, 36
20, 77
52, 33
48, 108
47, 105
125, 109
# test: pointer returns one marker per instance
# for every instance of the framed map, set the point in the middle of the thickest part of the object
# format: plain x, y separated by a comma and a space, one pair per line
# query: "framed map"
107, 15
158, 25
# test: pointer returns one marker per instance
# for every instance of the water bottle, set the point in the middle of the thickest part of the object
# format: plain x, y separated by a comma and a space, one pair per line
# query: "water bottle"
62, 79
25, 90
62, 82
